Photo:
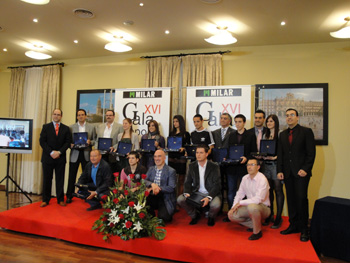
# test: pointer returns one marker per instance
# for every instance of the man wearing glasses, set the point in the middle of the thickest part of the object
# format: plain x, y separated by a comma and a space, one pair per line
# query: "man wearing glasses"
251, 211
296, 156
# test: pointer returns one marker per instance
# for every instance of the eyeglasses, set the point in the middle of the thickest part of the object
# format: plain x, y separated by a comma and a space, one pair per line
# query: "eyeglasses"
290, 115
251, 164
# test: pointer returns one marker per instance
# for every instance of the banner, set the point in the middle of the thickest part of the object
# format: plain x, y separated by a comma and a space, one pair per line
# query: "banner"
143, 105
212, 101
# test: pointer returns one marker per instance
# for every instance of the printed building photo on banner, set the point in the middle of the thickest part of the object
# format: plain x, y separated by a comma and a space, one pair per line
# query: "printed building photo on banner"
96, 102
310, 100
143, 105
212, 101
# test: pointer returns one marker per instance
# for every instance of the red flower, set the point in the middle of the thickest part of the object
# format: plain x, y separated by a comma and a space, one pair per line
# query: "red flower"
108, 210
142, 215
146, 193
126, 192
116, 174
128, 224
104, 219
132, 176
125, 182
115, 191
131, 204
111, 225
116, 200
121, 216
104, 197
138, 183
144, 176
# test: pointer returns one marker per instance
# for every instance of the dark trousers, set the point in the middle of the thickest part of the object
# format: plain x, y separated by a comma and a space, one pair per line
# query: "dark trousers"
297, 200
73, 169
59, 168
156, 202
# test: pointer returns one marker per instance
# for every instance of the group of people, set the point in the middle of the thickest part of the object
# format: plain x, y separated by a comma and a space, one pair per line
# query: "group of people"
249, 185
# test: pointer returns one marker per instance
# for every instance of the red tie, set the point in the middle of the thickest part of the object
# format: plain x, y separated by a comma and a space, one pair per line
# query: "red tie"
290, 137
56, 129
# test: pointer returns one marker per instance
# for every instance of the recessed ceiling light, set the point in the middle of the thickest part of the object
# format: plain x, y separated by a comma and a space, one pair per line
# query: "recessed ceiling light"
37, 55
128, 23
35, 20
5, 49
283, 23
37, 2
141, 4
1, 29
76, 41
167, 32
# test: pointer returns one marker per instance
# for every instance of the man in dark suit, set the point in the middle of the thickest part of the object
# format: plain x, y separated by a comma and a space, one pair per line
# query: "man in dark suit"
97, 176
296, 156
259, 130
55, 139
161, 183
202, 176
79, 156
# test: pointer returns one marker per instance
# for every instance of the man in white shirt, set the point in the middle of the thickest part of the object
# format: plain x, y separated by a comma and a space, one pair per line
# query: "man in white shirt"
251, 211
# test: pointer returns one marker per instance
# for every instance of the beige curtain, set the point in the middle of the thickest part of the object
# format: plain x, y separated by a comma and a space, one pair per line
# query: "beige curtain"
200, 70
41, 93
16, 111
165, 72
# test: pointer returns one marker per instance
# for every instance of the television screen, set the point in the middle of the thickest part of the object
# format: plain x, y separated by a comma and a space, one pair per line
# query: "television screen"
16, 135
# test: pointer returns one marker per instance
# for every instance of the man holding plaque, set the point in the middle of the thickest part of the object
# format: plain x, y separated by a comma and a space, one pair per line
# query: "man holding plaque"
259, 130
83, 138
203, 180
296, 156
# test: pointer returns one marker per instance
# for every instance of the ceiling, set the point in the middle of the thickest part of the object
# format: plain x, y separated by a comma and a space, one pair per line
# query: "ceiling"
252, 22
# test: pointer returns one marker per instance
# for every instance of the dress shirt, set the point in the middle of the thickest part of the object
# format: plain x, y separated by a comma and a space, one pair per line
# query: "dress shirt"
201, 170
54, 124
256, 190
81, 127
94, 172
107, 132
158, 175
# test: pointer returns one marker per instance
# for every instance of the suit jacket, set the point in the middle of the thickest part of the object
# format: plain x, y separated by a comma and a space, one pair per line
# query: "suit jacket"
212, 179
252, 131
90, 129
299, 155
167, 184
219, 143
103, 177
116, 129
50, 142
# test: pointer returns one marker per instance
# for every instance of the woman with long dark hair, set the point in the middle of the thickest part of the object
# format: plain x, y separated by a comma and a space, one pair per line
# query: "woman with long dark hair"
270, 170
175, 161
153, 133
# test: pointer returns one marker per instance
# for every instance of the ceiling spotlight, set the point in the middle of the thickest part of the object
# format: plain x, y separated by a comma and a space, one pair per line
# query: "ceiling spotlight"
35, 20
37, 2
5, 49
141, 4
344, 32
167, 32
76, 41
117, 46
37, 55
223, 37
283, 23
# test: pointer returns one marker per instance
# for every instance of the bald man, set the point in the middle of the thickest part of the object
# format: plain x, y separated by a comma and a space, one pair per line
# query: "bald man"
161, 183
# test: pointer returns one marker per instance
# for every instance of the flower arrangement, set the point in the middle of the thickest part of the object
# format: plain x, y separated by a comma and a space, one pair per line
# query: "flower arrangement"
126, 214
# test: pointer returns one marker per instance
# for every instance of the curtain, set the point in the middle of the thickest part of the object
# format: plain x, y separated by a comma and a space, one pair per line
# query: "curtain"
40, 96
165, 72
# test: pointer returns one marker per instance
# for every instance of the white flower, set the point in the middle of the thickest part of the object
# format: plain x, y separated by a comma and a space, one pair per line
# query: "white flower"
137, 226
114, 219
126, 210
113, 213
138, 207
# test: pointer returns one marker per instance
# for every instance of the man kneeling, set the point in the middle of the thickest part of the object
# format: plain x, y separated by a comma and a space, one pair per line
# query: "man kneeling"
97, 176
251, 211
203, 178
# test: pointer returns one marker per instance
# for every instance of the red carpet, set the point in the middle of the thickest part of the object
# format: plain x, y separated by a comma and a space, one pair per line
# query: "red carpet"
226, 242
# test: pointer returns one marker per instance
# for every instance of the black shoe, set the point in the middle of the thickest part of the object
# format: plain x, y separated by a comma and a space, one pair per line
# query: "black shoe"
211, 221
69, 200
268, 220
255, 236
290, 230
195, 220
250, 229
304, 237
226, 219
277, 223
94, 207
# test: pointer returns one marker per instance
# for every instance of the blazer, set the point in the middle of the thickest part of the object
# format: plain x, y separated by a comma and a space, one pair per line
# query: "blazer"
212, 179
50, 142
252, 132
134, 140
90, 129
219, 143
103, 177
116, 129
300, 155
167, 184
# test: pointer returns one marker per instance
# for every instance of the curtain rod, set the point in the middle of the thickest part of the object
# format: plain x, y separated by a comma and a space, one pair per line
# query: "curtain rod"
34, 66
183, 55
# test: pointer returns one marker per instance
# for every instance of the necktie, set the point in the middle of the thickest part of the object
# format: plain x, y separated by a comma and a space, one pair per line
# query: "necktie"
258, 139
223, 134
56, 128
290, 137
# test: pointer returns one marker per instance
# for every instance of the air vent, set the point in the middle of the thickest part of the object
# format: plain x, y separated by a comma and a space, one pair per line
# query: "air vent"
1, 28
83, 13
211, 1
